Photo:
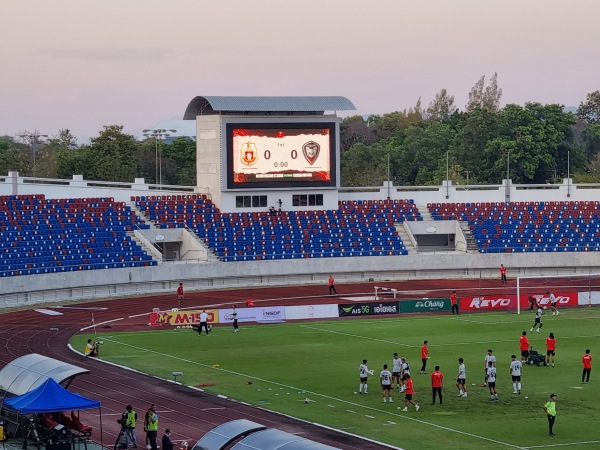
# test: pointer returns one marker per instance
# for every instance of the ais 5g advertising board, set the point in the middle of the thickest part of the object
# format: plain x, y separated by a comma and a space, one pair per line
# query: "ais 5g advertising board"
276, 155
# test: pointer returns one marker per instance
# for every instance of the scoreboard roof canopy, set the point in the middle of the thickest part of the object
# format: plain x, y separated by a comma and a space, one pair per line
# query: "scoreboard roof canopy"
208, 105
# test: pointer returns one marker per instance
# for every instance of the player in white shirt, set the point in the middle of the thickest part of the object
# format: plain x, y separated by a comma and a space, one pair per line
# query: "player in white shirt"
461, 378
385, 377
364, 373
515, 373
538, 319
552, 303
405, 370
490, 378
488, 358
396, 369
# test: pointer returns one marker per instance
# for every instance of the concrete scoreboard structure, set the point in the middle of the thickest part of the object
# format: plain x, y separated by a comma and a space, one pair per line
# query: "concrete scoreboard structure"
254, 153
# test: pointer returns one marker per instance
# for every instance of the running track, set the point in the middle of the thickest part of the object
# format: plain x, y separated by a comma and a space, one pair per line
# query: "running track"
188, 413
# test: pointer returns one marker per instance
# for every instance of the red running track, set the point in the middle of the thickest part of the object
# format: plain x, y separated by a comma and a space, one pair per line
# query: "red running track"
189, 413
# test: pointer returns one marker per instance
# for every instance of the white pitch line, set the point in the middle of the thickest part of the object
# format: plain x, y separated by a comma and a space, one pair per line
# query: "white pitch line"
370, 417
563, 444
360, 337
405, 417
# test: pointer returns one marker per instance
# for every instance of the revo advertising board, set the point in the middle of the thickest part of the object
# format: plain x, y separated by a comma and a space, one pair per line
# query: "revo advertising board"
488, 302
562, 299
368, 309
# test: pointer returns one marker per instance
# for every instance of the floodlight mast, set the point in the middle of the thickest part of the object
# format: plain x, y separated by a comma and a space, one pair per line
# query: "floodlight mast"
159, 134
33, 138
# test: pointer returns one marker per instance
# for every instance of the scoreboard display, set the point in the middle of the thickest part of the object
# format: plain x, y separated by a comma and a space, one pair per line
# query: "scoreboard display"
273, 155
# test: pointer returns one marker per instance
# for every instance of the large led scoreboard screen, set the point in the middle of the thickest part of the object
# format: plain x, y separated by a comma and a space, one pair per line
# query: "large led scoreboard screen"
271, 155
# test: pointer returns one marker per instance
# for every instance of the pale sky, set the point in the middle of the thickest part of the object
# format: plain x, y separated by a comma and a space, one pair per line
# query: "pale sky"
80, 64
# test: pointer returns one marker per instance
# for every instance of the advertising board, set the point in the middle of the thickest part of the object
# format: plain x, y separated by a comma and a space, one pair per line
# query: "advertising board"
368, 309
425, 305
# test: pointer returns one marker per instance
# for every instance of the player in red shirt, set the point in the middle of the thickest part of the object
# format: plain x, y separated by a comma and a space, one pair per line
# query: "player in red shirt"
587, 366
454, 301
437, 383
550, 349
503, 273
524, 347
408, 392
424, 357
180, 295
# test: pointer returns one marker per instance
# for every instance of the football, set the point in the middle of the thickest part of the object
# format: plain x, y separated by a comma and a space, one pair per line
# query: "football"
306, 400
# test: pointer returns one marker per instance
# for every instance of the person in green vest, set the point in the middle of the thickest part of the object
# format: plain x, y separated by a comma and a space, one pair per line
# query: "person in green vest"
550, 409
152, 426
129, 419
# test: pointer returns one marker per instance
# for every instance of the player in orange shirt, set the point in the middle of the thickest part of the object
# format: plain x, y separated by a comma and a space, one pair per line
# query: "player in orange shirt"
503, 273
524, 347
437, 383
409, 390
587, 366
180, 295
424, 356
550, 349
454, 301
331, 282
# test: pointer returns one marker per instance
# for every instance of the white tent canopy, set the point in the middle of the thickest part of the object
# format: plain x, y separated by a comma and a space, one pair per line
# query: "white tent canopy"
30, 371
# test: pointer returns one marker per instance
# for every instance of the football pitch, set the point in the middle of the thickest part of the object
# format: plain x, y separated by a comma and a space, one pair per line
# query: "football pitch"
309, 370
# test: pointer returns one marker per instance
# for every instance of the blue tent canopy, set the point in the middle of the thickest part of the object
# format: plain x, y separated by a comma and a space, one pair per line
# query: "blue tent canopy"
49, 397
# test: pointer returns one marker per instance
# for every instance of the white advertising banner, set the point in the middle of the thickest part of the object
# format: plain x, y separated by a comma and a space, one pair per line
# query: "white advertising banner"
583, 298
311, 312
256, 314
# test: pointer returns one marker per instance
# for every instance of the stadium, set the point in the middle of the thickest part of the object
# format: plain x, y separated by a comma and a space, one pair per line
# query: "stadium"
269, 221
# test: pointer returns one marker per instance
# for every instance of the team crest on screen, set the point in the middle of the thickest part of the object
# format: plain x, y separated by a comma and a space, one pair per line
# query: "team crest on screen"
311, 151
249, 153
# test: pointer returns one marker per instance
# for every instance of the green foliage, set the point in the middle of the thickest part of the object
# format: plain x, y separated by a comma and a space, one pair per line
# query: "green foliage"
13, 156
589, 110
278, 366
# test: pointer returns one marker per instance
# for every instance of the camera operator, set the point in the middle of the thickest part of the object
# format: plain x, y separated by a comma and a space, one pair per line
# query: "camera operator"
91, 348
128, 419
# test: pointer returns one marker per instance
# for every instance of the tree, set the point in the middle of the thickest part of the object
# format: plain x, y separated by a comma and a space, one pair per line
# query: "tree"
64, 140
12, 158
481, 96
179, 165
110, 157
590, 109
441, 107
354, 129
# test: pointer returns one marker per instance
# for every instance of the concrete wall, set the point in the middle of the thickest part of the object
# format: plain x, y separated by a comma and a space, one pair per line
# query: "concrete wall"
85, 285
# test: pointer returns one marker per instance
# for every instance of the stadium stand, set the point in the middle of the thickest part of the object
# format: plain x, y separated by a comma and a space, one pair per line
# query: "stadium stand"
554, 226
39, 235
357, 228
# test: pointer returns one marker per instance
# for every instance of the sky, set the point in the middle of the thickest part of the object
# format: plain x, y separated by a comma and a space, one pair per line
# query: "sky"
81, 65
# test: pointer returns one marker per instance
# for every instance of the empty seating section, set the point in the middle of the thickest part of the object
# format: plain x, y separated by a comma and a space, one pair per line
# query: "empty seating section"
357, 228
39, 235
555, 226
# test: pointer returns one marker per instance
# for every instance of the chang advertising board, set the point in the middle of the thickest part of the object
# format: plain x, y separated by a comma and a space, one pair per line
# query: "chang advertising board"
425, 305
280, 155
368, 309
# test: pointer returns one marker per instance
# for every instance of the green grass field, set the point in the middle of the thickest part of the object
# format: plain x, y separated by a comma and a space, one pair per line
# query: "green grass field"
277, 366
